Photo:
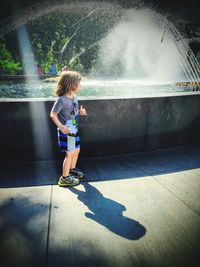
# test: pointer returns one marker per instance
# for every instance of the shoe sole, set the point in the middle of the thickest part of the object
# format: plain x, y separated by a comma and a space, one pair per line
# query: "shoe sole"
66, 185
79, 177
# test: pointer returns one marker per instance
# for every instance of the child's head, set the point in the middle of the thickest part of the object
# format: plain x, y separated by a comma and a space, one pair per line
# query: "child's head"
68, 83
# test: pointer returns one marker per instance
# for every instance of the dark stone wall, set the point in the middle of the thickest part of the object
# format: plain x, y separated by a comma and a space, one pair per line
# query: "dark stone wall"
112, 126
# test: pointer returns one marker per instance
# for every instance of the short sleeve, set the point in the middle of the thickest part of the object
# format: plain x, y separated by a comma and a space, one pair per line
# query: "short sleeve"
58, 105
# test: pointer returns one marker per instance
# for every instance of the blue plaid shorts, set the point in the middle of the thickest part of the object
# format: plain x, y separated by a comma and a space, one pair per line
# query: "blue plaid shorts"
62, 141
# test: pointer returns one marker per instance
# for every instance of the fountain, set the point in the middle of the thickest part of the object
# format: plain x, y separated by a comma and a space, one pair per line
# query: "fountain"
138, 45
139, 66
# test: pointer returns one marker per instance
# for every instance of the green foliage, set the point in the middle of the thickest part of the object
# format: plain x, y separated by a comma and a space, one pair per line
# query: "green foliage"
8, 66
50, 32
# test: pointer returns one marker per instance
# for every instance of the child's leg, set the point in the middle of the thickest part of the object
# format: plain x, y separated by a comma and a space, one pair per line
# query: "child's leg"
67, 179
75, 158
67, 163
73, 171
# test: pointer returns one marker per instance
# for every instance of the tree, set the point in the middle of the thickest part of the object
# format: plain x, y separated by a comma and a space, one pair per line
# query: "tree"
8, 66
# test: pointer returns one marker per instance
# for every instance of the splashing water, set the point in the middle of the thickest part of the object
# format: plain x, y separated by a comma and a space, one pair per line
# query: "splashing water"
187, 59
144, 46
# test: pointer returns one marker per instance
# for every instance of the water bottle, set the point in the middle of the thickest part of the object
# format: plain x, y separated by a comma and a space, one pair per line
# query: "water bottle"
71, 142
71, 138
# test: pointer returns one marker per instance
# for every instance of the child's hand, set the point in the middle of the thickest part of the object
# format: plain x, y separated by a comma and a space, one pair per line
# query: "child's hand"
82, 111
64, 129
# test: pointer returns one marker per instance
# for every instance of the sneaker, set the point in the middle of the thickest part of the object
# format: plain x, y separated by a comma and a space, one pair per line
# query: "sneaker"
68, 181
78, 174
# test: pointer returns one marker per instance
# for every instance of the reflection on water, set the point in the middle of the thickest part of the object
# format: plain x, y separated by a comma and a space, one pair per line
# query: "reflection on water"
92, 88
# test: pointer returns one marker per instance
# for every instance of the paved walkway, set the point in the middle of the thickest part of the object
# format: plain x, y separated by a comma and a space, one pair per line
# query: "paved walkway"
138, 209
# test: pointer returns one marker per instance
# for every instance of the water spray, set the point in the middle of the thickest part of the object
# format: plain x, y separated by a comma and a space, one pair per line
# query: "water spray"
162, 37
75, 33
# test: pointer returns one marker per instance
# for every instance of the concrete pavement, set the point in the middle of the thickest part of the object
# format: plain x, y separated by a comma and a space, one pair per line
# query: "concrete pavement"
139, 209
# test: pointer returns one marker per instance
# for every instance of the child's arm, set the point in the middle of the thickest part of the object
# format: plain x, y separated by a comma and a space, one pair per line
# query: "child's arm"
63, 128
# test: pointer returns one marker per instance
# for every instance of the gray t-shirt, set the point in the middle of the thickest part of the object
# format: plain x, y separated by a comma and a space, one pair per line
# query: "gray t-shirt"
67, 108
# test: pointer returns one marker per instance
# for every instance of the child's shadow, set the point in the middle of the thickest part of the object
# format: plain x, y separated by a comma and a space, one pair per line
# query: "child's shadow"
108, 213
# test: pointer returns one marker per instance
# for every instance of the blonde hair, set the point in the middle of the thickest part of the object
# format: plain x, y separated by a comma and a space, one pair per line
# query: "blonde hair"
67, 82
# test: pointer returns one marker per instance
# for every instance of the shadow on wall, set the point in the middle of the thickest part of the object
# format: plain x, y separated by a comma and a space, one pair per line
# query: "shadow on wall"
109, 213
